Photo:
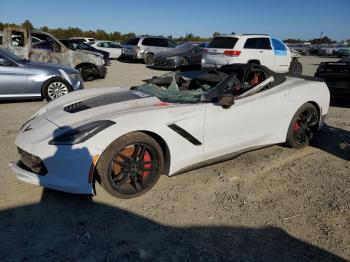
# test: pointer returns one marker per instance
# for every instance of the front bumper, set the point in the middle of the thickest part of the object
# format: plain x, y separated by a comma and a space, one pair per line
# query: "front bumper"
77, 83
65, 168
164, 64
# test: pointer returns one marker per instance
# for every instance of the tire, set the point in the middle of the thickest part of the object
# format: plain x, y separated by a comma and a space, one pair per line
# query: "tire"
55, 88
86, 72
303, 126
184, 62
149, 59
119, 170
296, 67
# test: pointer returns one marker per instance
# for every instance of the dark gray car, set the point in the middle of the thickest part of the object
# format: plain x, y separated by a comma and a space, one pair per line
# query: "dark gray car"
21, 78
185, 55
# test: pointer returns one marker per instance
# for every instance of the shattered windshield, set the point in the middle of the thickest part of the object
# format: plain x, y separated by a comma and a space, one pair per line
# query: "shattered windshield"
184, 88
172, 94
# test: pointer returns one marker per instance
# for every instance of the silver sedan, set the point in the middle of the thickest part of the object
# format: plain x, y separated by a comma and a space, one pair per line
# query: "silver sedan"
21, 78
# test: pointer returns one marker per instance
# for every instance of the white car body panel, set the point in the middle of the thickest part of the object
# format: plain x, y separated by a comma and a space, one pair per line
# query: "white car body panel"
257, 120
277, 62
114, 53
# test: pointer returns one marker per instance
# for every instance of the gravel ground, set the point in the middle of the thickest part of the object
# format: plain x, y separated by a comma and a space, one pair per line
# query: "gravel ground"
273, 204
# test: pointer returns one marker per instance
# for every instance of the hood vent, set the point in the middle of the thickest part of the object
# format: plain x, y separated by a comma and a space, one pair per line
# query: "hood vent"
102, 101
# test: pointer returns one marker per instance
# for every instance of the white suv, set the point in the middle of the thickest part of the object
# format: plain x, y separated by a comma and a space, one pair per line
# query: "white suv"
249, 48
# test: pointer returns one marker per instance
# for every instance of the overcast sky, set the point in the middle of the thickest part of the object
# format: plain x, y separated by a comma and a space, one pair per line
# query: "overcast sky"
303, 19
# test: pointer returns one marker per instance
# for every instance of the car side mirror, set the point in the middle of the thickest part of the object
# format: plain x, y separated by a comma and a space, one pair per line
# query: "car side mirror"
226, 101
5, 62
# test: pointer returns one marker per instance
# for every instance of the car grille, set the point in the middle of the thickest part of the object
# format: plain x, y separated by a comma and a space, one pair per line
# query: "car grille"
31, 163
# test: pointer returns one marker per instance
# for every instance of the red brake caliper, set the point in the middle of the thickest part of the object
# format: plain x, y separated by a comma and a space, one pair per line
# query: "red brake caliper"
296, 127
146, 158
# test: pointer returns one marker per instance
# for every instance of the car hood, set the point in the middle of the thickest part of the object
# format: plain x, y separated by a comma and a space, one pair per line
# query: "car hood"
89, 52
41, 65
170, 53
83, 106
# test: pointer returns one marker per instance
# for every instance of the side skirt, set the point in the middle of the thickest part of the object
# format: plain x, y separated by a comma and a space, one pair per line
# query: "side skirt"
219, 159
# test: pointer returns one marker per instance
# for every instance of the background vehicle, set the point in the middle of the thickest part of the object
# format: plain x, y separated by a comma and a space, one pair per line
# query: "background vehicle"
83, 39
126, 138
114, 48
51, 50
337, 77
248, 48
327, 51
344, 51
20, 78
302, 49
185, 55
146, 47
73, 44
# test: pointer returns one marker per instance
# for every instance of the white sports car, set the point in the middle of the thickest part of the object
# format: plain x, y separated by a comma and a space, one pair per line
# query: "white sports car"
125, 138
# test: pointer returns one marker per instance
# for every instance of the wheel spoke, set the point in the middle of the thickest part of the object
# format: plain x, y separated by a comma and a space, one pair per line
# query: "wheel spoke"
118, 162
148, 169
133, 183
140, 181
125, 158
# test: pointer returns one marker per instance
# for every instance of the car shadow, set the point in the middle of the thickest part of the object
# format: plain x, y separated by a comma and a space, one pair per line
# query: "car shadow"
68, 227
340, 103
128, 60
333, 140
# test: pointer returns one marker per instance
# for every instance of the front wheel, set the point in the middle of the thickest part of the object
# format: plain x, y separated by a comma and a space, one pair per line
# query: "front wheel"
303, 127
296, 67
131, 165
55, 88
149, 59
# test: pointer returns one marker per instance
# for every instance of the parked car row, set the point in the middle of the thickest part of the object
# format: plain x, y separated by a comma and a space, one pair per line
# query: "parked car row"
39, 46
321, 50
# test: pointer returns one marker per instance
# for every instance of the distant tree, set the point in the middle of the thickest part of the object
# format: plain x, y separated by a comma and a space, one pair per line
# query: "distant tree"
27, 25
320, 41
115, 36
293, 41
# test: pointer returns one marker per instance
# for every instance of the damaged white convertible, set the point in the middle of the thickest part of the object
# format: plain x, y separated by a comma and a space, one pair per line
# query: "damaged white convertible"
125, 138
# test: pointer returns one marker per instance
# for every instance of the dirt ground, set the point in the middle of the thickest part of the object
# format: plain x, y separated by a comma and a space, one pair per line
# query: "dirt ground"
272, 204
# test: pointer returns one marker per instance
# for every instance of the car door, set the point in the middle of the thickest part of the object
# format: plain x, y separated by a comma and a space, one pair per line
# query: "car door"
282, 57
114, 49
13, 79
258, 48
252, 121
196, 55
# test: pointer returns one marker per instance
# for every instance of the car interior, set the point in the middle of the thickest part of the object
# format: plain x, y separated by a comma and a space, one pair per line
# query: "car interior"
209, 85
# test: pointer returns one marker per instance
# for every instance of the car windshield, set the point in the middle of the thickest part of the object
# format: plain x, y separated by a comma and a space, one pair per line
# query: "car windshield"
185, 47
11, 56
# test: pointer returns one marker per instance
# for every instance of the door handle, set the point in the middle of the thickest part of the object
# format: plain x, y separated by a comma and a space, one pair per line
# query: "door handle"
261, 51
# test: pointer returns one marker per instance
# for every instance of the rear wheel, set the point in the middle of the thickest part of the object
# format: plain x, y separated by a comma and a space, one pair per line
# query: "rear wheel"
86, 72
131, 165
303, 127
296, 67
149, 59
55, 88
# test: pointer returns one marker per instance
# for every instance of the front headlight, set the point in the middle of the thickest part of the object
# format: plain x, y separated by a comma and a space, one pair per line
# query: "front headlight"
176, 58
74, 76
81, 133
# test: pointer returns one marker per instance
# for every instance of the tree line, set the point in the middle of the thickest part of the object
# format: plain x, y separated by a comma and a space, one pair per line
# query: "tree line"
99, 34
